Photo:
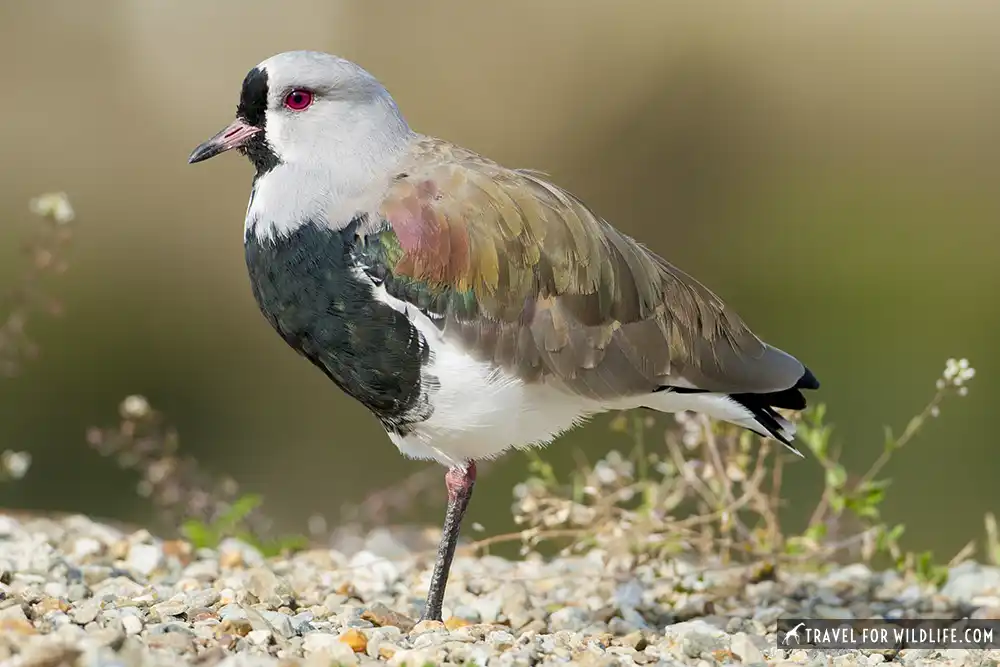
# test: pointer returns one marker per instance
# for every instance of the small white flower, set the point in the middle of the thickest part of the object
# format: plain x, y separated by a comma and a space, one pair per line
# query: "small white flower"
15, 463
940, 383
935, 411
53, 205
963, 391
956, 373
135, 407
317, 525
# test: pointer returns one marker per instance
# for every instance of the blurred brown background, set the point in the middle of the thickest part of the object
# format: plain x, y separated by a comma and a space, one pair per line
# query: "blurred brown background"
829, 168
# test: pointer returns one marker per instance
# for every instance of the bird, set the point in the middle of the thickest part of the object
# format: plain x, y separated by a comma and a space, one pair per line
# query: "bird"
473, 308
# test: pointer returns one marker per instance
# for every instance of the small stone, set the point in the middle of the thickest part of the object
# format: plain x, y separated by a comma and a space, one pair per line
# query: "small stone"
427, 626
175, 641
320, 641
167, 628
239, 627
743, 647
231, 560
248, 554
500, 638
144, 558
259, 637
357, 641
13, 613
195, 614
77, 592
487, 607
178, 550
380, 615
50, 604
205, 598
8, 526
16, 626
454, 623
832, 613
132, 625
167, 609
85, 547
411, 657
970, 579
279, 622
86, 612
203, 570
568, 618
636, 640
270, 589
302, 622
696, 638
232, 611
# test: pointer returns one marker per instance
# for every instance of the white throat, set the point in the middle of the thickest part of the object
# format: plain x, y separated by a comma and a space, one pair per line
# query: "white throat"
338, 180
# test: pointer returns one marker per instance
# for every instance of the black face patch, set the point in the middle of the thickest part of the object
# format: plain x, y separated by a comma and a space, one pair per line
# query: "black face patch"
253, 109
253, 98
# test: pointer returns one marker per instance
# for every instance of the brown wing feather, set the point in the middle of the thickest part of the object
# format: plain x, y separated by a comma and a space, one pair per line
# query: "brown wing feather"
561, 294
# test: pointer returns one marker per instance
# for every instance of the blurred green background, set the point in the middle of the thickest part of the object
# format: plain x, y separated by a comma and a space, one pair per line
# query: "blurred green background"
830, 168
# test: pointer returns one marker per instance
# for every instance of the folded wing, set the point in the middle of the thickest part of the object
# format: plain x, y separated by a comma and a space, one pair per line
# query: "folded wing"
523, 274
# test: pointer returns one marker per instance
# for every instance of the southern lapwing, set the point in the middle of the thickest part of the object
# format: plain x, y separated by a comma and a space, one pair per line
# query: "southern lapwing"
470, 307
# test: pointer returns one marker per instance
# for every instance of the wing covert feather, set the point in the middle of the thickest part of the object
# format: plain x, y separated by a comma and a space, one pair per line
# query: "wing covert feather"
528, 277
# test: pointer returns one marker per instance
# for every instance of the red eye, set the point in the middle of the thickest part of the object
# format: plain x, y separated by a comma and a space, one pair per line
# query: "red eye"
298, 99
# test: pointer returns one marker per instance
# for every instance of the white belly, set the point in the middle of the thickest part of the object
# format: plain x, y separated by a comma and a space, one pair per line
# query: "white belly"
479, 412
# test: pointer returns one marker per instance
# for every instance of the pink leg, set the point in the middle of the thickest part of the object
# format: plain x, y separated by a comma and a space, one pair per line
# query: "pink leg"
459, 481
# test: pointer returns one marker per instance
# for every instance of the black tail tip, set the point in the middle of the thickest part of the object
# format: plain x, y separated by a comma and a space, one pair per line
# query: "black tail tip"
807, 381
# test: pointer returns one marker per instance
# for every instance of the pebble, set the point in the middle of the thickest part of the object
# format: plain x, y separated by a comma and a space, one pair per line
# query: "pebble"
317, 641
743, 647
76, 592
131, 624
86, 612
144, 558
259, 637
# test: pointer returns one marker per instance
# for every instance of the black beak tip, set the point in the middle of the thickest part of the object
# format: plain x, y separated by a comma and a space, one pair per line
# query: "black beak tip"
201, 153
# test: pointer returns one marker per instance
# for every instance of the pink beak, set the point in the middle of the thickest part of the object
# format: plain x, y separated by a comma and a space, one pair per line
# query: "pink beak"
234, 135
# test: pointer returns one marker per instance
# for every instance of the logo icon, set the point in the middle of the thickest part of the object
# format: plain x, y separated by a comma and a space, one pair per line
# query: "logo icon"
794, 632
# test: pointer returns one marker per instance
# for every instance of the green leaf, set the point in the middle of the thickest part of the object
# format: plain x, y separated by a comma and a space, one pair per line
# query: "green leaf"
815, 532
836, 476
837, 503
198, 534
241, 509
280, 546
889, 444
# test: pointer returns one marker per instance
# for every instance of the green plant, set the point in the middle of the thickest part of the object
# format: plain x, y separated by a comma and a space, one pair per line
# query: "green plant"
231, 523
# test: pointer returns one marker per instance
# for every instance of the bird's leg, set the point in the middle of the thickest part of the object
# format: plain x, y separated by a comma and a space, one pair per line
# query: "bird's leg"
459, 481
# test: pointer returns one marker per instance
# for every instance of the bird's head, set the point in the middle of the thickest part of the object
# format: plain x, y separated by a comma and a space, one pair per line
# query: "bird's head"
309, 110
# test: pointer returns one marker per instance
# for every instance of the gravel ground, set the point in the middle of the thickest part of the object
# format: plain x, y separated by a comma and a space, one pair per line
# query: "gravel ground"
77, 592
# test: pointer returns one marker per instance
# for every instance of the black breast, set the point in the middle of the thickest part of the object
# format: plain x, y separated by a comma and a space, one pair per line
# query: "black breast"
306, 286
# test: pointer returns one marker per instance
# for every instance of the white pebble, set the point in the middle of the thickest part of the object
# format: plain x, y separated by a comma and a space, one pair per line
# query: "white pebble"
131, 624
144, 558
259, 637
